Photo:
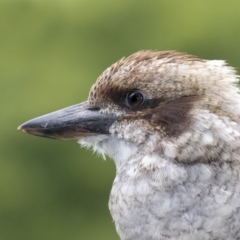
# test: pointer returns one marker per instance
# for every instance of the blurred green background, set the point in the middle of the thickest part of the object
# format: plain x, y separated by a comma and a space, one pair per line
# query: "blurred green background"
51, 52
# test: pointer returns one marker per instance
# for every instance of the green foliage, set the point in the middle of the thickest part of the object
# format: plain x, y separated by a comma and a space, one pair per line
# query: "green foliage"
51, 53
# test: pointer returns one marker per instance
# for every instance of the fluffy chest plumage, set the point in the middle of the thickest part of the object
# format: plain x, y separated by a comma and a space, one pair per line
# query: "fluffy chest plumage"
176, 202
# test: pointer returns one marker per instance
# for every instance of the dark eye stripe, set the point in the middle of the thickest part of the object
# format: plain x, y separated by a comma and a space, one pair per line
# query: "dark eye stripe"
118, 96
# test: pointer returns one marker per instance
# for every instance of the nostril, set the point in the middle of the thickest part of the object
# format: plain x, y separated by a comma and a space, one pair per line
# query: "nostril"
94, 108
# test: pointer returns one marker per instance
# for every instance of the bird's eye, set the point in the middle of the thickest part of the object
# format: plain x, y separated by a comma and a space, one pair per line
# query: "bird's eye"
134, 99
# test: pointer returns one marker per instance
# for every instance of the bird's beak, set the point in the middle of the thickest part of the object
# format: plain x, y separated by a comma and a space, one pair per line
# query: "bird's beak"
69, 123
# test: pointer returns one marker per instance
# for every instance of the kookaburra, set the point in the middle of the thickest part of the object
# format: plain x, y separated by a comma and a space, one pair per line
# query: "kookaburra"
171, 123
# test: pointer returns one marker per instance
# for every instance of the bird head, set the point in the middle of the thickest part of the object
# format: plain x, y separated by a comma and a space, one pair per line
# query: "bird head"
181, 107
